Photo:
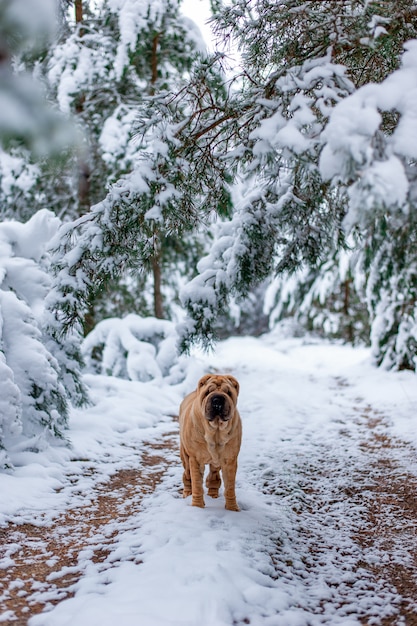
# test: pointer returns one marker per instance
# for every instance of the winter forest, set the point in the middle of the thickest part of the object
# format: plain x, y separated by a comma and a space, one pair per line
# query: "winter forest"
155, 196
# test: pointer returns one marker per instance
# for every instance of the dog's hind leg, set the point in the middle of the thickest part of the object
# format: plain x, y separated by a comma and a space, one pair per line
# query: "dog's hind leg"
213, 482
186, 477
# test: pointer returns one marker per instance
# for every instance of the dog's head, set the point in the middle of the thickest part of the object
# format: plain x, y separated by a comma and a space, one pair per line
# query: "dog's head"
218, 397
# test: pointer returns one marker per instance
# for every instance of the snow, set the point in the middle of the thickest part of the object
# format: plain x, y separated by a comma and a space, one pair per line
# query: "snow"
136, 348
199, 26
351, 136
115, 136
15, 174
174, 565
35, 395
29, 240
134, 16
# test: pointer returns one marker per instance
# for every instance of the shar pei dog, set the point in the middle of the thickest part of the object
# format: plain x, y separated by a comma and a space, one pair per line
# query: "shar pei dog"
211, 433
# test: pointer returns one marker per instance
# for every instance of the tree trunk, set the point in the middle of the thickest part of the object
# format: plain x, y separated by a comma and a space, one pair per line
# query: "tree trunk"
78, 11
346, 304
154, 63
79, 16
157, 257
157, 282
84, 172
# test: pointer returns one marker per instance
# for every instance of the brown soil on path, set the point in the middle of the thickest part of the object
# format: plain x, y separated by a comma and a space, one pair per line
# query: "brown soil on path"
378, 483
44, 560
392, 511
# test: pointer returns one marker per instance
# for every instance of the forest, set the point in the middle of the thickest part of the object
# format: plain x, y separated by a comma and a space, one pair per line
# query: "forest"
155, 196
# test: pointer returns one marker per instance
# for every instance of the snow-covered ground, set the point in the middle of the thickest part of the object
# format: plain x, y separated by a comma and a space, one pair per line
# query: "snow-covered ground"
291, 556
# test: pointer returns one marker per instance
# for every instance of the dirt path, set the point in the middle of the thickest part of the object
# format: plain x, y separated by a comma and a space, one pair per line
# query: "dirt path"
44, 562
392, 511
377, 484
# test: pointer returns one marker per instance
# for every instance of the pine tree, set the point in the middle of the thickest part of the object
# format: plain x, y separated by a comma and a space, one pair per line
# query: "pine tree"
328, 300
290, 215
264, 138
143, 222
35, 385
108, 73
379, 170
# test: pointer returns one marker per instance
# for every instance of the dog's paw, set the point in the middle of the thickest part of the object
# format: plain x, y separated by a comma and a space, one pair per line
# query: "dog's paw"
232, 506
198, 502
186, 493
213, 493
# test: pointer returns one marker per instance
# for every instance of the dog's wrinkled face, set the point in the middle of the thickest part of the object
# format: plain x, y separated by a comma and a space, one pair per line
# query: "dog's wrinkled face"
218, 396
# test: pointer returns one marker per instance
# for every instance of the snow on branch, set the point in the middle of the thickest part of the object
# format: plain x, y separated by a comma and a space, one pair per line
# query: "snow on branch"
118, 232
357, 153
34, 391
239, 247
135, 348
135, 16
283, 208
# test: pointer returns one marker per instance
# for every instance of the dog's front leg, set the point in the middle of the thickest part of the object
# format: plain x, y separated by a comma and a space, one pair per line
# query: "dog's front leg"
197, 472
229, 469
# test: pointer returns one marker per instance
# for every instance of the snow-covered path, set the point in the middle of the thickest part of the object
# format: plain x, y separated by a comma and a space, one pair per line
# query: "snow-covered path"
326, 484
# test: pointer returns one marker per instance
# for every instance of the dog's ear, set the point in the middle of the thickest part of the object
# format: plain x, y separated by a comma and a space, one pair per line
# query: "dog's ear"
234, 382
203, 380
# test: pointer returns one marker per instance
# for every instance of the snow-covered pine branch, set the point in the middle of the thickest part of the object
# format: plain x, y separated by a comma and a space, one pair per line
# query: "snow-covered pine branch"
373, 166
170, 192
284, 214
306, 207
119, 232
328, 299
35, 383
379, 171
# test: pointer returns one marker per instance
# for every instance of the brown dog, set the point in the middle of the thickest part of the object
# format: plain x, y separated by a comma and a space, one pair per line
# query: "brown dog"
211, 433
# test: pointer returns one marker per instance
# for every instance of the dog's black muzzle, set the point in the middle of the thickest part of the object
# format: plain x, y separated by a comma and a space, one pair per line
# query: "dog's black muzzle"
218, 408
